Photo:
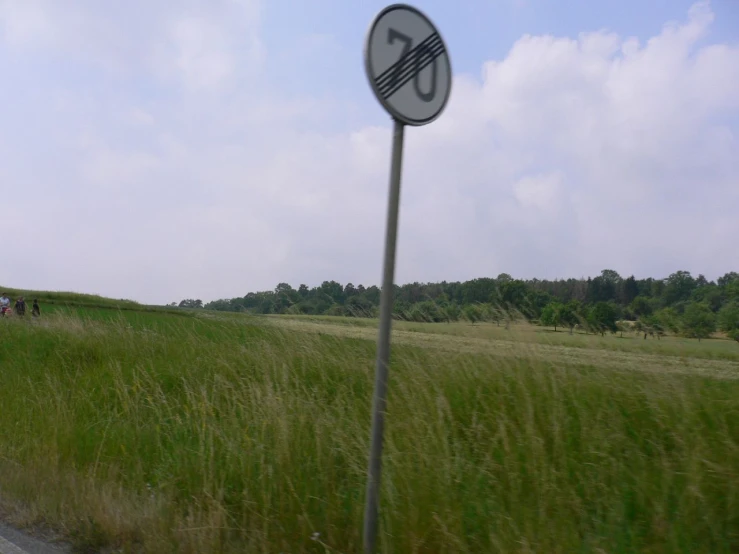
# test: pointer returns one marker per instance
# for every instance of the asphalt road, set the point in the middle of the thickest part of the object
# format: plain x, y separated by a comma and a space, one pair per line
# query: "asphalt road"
13, 541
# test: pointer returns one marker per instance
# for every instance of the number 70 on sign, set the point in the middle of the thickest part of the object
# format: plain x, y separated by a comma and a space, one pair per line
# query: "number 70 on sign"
408, 65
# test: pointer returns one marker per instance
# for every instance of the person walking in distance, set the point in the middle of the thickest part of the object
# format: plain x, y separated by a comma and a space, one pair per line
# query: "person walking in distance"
4, 304
20, 306
36, 312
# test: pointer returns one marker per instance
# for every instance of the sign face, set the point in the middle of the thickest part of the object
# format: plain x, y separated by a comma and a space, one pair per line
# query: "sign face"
408, 65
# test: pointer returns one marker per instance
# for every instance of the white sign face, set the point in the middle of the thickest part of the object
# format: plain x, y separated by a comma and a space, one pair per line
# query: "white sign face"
408, 65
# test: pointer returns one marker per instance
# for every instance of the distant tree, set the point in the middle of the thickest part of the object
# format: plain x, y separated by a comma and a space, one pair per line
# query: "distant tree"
657, 288
650, 325
506, 299
513, 294
641, 306
602, 317
336, 310
426, 311
731, 291
267, 305
698, 321
604, 287
728, 317
551, 315
478, 290
472, 313
667, 318
610, 276
373, 294
359, 306
284, 297
727, 279
453, 311
734, 334
536, 301
571, 314
709, 294
492, 313
630, 290
678, 287
334, 290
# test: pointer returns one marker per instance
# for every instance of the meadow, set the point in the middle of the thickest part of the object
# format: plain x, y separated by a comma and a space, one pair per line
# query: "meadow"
201, 432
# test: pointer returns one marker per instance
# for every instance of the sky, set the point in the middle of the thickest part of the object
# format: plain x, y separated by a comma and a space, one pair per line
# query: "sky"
168, 149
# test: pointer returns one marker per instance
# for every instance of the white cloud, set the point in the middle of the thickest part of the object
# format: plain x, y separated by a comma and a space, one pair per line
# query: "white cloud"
567, 156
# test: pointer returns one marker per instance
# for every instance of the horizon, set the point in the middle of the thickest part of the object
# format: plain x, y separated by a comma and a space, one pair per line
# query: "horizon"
164, 152
367, 286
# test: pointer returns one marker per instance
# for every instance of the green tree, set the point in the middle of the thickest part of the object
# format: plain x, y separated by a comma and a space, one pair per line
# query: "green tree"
571, 314
359, 306
667, 318
426, 311
728, 317
630, 290
334, 290
678, 287
472, 313
551, 315
513, 296
452, 311
602, 317
650, 325
285, 296
731, 290
641, 306
728, 278
493, 313
698, 321
478, 290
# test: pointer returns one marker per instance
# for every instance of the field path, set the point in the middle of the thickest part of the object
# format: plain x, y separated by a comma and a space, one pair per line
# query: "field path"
13, 541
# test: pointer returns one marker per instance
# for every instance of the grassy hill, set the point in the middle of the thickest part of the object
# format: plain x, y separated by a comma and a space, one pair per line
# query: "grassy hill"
78, 300
139, 429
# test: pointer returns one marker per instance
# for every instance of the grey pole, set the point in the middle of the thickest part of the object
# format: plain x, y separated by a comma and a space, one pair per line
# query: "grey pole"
383, 345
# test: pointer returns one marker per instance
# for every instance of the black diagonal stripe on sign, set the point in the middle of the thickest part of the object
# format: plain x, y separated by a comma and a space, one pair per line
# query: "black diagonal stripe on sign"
434, 48
387, 74
426, 59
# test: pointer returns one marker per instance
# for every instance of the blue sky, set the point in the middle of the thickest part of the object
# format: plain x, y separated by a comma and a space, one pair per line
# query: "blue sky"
476, 31
166, 150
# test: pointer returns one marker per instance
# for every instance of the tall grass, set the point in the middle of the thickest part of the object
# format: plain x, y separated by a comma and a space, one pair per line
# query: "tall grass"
194, 435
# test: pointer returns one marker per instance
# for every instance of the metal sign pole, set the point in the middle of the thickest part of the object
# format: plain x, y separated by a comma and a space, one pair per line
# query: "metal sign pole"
383, 344
408, 67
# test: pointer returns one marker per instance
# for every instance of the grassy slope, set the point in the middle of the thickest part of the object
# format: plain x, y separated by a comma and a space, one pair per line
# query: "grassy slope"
56, 299
221, 433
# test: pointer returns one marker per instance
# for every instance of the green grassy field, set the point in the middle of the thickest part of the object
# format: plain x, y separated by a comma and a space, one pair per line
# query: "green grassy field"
176, 431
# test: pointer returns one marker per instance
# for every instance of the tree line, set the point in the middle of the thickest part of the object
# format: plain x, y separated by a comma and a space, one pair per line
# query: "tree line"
682, 304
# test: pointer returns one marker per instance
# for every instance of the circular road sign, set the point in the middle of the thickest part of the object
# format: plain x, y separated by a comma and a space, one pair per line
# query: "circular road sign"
408, 65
